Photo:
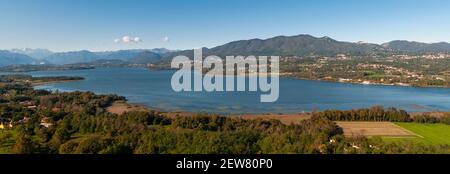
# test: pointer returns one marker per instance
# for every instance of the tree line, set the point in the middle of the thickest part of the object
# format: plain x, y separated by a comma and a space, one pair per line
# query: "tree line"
379, 113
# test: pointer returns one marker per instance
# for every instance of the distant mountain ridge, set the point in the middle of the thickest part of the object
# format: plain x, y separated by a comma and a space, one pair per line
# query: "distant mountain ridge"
417, 47
10, 58
299, 45
71, 57
133, 56
37, 53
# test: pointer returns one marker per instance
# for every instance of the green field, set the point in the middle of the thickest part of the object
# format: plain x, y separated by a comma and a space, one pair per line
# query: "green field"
436, 134
6, 142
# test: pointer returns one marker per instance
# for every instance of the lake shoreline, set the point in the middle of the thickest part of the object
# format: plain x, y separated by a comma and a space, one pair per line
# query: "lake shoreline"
370, 84
290, 107
287, 118
281, 75
292, 76
52, 82
121, 107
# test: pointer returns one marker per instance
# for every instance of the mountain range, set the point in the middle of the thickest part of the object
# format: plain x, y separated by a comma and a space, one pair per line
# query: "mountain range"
37, 53
299, 45
10, 58
43, 56
417, 47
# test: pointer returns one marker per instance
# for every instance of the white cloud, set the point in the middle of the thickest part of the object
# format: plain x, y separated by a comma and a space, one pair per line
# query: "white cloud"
165, 39
128, 40
137, 39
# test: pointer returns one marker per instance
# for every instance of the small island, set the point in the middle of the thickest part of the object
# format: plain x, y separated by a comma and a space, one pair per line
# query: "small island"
36, 81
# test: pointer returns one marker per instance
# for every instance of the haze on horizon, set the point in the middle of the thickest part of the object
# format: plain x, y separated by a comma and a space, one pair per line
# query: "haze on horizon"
97, 25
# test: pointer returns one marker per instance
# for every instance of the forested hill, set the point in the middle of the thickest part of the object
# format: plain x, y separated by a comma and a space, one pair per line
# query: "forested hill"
299, 45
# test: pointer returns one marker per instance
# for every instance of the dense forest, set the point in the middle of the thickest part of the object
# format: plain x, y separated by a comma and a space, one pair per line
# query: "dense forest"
43, 122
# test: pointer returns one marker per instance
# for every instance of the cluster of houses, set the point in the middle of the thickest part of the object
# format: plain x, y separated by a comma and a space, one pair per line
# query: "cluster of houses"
28, 104
44, 121
426, 56
9, 124
390, 70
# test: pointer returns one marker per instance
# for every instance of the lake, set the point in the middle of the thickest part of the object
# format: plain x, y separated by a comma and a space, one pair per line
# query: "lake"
153, 89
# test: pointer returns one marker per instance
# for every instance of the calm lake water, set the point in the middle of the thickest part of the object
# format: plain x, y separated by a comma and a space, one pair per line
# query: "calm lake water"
153, 89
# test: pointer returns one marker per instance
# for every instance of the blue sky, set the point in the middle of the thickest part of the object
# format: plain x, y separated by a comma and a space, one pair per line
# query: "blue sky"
63, 25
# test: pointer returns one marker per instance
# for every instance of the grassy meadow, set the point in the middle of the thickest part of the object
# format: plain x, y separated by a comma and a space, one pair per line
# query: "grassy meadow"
433, 134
